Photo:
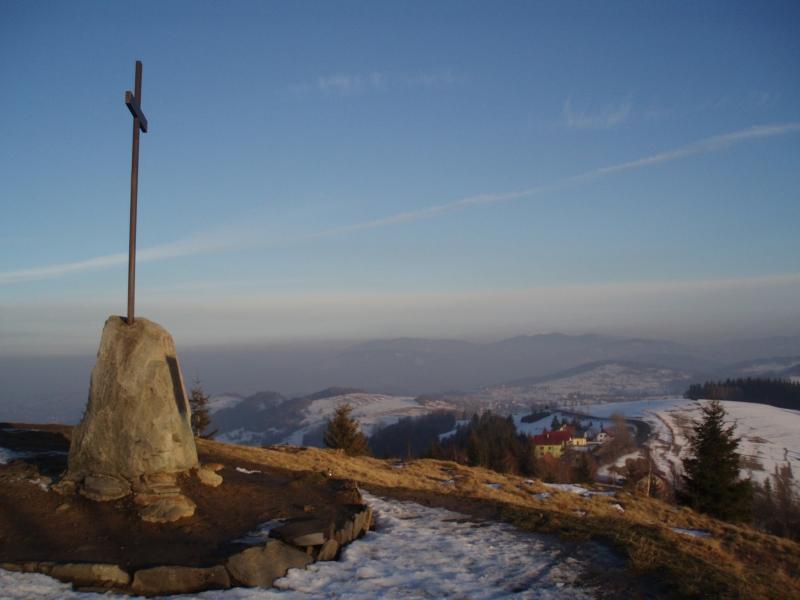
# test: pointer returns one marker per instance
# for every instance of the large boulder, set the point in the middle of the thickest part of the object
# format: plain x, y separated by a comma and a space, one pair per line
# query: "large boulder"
137, 422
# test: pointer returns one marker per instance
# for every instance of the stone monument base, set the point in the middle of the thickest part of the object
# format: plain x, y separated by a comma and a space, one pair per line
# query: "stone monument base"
106, 545
136, 434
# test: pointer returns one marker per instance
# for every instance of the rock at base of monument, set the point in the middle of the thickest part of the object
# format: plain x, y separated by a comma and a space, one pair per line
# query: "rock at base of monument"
208, 477
260, 566
103, 488
65, 487
179, 580
157, 484
166, 509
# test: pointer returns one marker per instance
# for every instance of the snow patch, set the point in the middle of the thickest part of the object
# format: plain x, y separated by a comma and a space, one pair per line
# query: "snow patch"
7, 455
247, 471
261, 533
692, 532
223, 401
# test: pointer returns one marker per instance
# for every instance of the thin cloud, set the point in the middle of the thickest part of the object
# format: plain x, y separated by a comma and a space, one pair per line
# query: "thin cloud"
605, 117
201, 245
350, 84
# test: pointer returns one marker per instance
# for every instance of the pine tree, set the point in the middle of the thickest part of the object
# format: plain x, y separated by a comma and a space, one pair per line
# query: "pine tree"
198, 403
343, 433
711, 471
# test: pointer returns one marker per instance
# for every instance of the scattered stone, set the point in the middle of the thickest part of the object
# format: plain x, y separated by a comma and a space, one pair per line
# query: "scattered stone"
62, 507
103, 488
168, 509
87, 574
260, 566
214, 466
329, 550
209, 477
179, 580
137, 420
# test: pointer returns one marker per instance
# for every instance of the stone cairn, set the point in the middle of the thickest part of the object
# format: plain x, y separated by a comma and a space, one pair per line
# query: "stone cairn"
136, 436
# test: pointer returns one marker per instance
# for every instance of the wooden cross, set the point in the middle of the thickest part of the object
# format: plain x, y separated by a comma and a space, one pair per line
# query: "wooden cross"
134, 101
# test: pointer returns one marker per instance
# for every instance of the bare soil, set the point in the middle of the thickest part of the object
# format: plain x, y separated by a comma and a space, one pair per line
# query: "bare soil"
37, 524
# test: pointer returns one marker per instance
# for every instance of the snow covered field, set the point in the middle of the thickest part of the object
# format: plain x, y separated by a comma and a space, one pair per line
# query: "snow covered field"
370, 410
416, 552
770, 436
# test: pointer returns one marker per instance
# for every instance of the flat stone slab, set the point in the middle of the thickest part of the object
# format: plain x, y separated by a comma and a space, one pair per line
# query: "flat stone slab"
260, 566
179, 580
103, 488
167, 509
305, 532
81, 574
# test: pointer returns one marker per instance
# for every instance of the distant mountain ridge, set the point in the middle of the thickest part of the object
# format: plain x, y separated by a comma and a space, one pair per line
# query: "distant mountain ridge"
54, 388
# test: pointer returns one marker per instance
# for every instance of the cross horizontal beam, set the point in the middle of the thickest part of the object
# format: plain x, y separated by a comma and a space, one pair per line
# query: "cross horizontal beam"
136, 110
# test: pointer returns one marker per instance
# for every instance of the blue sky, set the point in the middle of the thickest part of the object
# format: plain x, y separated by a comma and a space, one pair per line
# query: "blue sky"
353, 170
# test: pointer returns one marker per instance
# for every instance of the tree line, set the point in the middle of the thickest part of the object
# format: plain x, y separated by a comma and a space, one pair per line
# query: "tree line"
782, 393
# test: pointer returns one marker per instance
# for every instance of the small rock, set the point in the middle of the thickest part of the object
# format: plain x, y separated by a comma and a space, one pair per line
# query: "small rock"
209, 477
214, 467
103, 488
167, 509
179, 580
65, 487
261, 565
87, 574
62, 507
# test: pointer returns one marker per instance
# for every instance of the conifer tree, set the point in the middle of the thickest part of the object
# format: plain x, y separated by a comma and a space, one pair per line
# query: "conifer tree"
555, 424
198, 403
711, 471
343, 433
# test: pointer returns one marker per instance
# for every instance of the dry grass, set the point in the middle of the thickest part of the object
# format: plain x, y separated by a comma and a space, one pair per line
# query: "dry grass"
734, 562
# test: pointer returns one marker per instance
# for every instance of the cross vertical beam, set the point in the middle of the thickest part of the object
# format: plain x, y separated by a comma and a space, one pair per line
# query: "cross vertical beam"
134, 101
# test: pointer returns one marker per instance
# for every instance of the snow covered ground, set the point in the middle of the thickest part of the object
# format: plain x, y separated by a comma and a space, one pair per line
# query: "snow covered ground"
416, 552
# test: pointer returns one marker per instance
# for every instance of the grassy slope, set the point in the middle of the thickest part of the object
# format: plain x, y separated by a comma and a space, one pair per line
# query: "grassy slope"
735, 562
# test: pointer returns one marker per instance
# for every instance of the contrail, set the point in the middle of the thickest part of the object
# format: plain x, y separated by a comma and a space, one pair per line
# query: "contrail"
715, 143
